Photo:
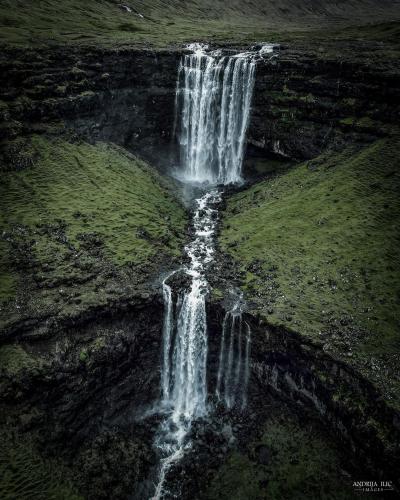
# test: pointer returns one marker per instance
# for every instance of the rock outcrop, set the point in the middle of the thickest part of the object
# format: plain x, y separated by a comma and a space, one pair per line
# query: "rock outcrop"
125, 96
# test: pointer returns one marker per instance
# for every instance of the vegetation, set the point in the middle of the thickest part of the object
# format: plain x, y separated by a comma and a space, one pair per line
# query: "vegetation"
13, 359
79, 217
319, 251
160, 23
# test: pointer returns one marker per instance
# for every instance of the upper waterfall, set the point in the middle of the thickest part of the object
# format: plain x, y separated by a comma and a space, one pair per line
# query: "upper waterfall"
213, 106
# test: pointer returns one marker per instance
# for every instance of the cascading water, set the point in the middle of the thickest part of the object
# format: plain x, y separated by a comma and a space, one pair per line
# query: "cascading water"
185, 340
184, 381
233, 370
213, 105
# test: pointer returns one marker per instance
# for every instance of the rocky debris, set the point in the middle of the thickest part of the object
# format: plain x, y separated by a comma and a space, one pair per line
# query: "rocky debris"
179, 282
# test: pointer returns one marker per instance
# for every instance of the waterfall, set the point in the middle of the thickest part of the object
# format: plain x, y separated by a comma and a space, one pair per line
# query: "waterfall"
233, 369
184, 368
213, 107
212, 112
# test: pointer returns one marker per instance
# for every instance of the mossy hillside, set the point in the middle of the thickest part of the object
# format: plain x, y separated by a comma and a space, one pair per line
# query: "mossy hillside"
83, 223
288, 460
107, 22
319, 251
163, 23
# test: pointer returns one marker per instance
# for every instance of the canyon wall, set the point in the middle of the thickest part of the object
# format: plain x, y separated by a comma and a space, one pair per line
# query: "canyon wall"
305, 100
121, 96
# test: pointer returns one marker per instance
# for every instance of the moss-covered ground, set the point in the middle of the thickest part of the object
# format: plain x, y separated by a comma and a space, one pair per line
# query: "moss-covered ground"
160, 23
318, 247
103, 21
83, 224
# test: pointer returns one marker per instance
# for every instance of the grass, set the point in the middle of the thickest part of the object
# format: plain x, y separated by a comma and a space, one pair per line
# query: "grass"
24, 475
84, 213
300, 464
319, 249
106, 22
162, 23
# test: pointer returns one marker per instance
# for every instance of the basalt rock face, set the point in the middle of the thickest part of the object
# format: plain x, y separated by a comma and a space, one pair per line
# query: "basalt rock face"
99, 373
83, 398
304, 101
307, 100
124, 96
349, 404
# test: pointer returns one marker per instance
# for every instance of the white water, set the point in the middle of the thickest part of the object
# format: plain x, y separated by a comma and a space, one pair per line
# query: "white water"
184, 371
212, 112
213, 108
233, 369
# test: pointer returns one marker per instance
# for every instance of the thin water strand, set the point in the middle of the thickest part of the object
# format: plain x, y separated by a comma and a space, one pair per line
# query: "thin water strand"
167, 334
233, 370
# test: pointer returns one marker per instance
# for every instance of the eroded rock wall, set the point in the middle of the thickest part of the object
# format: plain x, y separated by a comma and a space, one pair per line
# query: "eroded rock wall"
305, 99
309, 99
348, 404
124, 96
100, 373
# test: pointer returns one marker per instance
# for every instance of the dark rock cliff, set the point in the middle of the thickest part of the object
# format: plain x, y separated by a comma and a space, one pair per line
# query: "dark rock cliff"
123, 96
82, 396
284, 364
305, 100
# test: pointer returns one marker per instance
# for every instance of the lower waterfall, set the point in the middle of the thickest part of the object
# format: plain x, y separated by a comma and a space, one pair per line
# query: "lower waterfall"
184, 369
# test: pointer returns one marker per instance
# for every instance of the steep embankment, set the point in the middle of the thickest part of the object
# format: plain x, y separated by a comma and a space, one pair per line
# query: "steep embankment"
83, 226
160, 23
318, 249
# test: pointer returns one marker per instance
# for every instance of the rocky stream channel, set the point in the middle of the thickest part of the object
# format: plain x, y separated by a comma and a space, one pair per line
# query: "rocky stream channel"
181, 380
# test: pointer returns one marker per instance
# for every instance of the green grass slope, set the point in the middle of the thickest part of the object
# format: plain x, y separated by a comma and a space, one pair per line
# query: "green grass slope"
160, 22
84, 224
319, 251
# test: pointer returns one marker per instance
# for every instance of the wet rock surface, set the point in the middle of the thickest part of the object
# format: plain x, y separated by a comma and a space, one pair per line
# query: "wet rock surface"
239, 449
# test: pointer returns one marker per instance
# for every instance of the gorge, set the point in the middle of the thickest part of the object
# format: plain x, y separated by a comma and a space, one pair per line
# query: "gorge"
199, 251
